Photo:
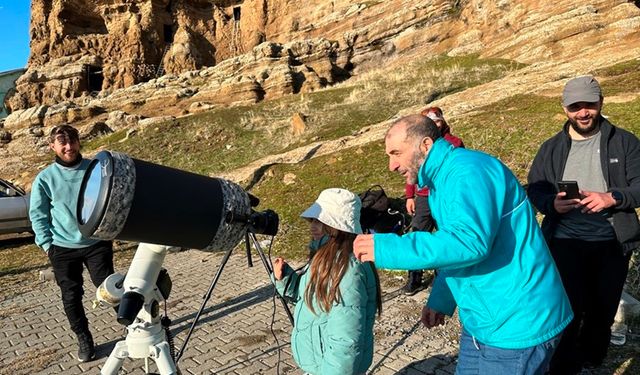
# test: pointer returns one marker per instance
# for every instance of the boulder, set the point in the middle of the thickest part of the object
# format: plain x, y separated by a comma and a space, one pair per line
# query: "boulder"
298, 124
95, 129
33, 116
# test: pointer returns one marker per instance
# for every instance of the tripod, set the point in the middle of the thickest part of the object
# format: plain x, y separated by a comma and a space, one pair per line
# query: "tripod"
249, 238
146, 338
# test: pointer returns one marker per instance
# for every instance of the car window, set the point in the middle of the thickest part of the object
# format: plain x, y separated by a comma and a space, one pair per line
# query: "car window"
9, 190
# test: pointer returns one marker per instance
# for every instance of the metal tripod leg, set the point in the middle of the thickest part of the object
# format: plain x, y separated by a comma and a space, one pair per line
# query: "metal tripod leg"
204, 303
207, 296
267, 267
160, 353
116, 359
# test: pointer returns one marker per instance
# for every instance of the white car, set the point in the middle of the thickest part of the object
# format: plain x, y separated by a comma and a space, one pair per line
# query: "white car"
14, 209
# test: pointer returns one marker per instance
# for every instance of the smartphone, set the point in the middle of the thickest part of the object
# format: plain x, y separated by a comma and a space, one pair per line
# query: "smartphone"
569, 187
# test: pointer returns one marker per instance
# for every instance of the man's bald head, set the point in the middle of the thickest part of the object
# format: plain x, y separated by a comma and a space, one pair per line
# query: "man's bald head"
415, 128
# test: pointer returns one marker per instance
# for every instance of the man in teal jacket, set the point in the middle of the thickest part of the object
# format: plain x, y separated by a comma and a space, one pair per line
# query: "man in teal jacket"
493, 260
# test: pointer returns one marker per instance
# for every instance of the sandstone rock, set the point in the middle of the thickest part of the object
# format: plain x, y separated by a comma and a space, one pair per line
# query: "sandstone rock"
33, 116
289, 179
5, 136
119, 120
37, 132
197, 107
94, 130
298, 124
144, 123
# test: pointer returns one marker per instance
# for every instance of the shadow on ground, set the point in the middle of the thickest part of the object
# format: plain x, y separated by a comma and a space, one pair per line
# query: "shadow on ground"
427, 366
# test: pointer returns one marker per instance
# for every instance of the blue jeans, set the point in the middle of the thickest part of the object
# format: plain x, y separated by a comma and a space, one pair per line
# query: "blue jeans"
478, 358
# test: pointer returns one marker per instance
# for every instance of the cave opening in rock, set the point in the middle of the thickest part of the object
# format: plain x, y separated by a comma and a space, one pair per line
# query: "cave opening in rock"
236, 14
168, 33
94, 78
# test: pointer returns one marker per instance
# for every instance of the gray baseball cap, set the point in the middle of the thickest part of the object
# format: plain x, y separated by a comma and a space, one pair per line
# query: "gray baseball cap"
581, 89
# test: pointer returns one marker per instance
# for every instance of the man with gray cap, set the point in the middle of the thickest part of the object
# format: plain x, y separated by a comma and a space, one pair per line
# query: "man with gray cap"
591, 236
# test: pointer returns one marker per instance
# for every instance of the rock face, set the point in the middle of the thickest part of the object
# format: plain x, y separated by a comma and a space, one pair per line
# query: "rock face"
125, 63
84, 47
81, 48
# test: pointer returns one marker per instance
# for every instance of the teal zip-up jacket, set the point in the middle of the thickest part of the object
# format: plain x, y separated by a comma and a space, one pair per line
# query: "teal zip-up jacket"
339, 342
54, 196
493, 260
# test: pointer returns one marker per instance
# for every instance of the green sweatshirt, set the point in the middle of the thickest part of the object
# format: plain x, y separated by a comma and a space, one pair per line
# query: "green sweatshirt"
54, 196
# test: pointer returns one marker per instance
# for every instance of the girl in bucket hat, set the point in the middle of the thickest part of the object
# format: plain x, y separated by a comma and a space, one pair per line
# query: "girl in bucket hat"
336, 296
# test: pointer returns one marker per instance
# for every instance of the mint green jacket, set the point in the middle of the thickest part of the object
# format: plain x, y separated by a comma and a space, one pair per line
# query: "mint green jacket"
493, 260
340, 341
52, 207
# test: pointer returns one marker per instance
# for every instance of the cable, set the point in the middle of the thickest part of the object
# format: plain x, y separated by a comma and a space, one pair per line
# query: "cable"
166, 322
273, 311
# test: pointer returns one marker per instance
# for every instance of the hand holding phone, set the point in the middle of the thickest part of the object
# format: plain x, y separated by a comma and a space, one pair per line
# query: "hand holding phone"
571, 188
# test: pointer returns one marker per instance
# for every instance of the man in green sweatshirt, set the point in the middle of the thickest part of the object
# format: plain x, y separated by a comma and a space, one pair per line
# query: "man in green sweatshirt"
54, 196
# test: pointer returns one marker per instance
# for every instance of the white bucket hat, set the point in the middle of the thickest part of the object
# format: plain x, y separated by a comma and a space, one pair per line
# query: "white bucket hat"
337, 208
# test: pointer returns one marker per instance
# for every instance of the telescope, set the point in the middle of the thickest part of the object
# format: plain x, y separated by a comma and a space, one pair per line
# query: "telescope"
129, 199
160, 207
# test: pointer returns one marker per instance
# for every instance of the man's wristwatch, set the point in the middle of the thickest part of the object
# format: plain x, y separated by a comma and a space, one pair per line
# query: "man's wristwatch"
617, 196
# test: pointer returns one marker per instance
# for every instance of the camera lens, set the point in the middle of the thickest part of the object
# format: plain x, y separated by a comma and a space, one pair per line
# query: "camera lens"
265, 222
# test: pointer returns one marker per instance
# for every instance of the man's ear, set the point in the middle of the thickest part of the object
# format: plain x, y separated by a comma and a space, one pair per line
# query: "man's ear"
426, 144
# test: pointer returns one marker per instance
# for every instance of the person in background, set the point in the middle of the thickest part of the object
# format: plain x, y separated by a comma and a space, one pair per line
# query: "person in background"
591, 236
492, 260
54, 196
417, 200
336, 296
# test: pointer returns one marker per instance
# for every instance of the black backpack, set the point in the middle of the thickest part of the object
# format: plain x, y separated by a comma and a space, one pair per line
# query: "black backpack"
376, 214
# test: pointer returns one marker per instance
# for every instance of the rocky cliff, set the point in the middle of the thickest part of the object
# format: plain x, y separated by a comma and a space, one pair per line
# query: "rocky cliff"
109, 64
79, 48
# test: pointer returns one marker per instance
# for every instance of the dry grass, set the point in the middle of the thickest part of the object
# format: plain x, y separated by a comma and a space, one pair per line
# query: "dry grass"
31, 361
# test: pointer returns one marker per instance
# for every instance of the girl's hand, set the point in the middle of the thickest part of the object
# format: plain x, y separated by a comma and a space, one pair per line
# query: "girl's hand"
278, 268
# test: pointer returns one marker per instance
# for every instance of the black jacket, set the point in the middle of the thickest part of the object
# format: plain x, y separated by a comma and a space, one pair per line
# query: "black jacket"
620, 158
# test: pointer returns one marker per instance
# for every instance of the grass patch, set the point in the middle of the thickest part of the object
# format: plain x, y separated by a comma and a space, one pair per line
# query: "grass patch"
514, 128
18, 255
227, 138
355, 169
620, 78
21, 260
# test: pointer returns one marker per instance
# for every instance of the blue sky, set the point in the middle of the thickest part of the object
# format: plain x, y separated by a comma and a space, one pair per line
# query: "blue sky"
14, 34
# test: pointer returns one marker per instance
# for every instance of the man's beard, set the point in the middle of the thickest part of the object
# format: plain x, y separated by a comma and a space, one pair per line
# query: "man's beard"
585, 131
416, 162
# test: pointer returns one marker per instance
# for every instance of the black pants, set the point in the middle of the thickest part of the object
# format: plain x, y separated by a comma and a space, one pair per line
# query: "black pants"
593, 274
422, 219
67, 268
